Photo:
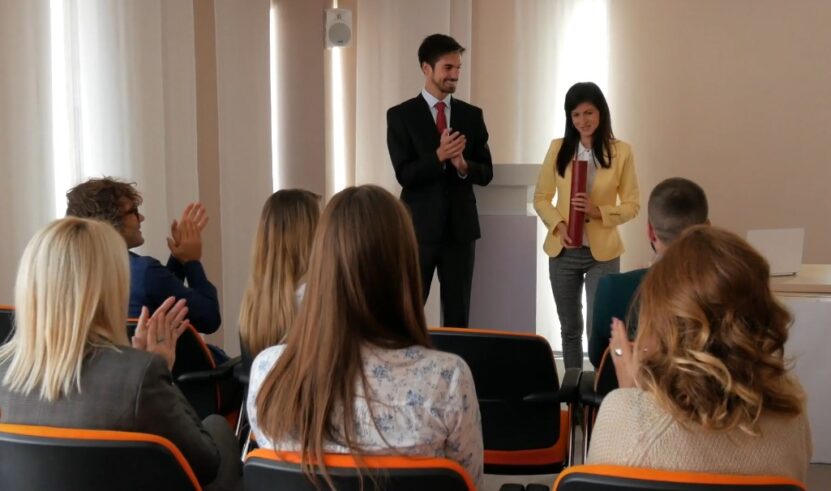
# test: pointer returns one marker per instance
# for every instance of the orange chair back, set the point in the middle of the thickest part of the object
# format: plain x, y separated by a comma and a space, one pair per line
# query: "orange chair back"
266, 470
618, 478
42, 457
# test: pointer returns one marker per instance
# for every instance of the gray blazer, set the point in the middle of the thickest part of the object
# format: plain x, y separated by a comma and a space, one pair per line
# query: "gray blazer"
121, 390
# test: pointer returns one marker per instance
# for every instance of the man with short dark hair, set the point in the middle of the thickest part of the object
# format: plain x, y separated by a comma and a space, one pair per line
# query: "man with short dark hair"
439, 148
117, 203
674, 205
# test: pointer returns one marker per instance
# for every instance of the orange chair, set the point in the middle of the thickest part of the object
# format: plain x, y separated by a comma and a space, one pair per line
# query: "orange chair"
6, 322
523, 427
269, 470
617, 478
42, 457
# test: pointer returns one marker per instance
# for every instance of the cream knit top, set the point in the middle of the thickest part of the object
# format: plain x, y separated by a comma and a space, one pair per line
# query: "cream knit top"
633, 430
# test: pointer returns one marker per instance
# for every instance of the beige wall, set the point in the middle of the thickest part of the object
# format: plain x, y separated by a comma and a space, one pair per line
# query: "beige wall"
734, 95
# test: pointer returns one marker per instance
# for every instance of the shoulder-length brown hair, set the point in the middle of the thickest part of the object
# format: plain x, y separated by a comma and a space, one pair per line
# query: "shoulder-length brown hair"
363, 287
714, 334
279, 260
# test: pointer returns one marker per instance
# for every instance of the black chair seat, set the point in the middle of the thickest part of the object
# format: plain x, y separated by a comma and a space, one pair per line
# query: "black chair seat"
6, 323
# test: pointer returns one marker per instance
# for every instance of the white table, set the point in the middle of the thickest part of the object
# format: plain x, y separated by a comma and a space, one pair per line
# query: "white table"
808, 296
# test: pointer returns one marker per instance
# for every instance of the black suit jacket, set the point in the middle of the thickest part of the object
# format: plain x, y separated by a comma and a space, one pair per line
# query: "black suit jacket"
442, 204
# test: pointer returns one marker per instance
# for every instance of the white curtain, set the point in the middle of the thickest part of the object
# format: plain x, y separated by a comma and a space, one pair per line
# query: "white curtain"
128, 102
26, 200
93, 88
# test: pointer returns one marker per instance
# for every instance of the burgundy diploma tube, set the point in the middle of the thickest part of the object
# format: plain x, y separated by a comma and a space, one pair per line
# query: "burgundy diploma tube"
575, 218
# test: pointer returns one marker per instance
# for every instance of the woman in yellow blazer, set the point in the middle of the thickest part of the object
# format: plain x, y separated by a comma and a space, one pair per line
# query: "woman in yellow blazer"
612, 199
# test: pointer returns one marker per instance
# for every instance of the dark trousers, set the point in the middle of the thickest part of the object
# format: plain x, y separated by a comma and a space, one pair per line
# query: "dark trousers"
454, 262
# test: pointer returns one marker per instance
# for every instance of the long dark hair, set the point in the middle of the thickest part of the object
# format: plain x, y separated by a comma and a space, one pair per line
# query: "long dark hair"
364, 286
601, 142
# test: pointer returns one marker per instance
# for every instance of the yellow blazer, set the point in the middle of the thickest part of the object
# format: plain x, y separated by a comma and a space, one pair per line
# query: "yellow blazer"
619, 180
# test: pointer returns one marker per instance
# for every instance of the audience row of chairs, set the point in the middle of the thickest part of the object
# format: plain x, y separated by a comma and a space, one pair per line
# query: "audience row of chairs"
525, 431
98, 459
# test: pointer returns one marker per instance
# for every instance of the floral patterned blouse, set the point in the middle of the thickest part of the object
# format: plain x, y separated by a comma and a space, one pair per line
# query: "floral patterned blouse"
423, 402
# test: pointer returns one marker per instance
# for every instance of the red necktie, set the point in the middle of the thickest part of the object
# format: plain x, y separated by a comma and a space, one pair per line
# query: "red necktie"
441, 118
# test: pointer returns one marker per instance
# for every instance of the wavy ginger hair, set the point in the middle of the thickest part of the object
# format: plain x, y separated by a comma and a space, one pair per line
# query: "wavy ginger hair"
363, 287
71, 294
279, 260
711, 336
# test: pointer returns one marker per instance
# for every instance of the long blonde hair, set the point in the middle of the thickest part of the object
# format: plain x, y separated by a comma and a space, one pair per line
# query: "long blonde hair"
714, 334
71, 293
364, 287
279, 260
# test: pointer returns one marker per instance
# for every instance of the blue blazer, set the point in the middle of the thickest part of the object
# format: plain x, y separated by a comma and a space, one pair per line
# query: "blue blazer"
151, 283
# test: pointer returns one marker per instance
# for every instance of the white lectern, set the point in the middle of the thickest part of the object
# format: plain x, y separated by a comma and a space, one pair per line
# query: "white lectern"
504, 289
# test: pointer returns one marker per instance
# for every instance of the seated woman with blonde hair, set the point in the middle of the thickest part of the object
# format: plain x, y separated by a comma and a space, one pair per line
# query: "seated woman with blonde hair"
708, 386
356, 374
279, 260
69, 362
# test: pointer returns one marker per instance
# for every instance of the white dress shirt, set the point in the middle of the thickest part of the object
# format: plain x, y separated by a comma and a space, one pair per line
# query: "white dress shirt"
432, 101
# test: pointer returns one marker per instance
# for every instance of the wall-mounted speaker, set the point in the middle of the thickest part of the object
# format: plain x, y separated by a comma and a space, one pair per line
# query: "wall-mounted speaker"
338, 28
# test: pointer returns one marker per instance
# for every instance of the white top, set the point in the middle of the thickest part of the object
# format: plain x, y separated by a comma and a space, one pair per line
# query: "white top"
423, 403
432, 101
299, 293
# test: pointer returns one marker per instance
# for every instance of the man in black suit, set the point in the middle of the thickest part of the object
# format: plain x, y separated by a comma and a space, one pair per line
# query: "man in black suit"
439, 149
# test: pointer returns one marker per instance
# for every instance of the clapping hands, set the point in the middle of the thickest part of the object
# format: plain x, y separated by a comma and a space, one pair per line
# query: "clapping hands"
158, 333
451, 146
622, 350
185, 241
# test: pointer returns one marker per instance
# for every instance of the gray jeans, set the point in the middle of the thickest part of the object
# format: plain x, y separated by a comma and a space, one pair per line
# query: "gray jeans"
567, 272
